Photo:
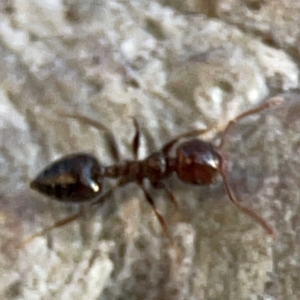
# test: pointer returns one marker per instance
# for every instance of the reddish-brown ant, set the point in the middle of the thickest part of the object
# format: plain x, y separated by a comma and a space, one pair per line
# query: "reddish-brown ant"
79, 177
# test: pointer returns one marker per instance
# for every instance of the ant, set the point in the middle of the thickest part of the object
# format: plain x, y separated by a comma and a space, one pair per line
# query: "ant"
79, 177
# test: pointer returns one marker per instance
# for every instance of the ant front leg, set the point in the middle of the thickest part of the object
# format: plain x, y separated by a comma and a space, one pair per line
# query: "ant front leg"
98, 125
161, 185
157, 213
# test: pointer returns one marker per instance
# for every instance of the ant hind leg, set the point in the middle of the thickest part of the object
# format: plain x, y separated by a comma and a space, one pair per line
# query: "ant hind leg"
84, 211
98, 125
57, 224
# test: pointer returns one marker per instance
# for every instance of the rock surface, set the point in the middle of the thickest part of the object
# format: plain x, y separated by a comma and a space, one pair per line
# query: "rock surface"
176, 66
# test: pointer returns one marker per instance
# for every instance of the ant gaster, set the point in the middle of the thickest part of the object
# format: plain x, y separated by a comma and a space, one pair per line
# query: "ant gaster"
79, 177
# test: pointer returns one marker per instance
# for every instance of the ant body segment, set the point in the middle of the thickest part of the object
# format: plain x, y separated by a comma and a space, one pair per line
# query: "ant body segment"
79, 177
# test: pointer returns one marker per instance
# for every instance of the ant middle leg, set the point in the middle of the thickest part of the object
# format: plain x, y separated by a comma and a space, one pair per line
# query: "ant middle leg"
136, 139
98, 125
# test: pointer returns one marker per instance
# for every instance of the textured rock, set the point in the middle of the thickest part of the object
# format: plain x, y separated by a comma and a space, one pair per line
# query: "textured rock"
175, 68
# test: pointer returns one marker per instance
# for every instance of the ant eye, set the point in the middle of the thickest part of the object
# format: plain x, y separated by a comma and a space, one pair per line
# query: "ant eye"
74, 178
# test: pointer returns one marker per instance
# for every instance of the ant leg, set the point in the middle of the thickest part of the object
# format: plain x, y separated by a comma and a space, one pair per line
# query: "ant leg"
98, 200
98, 125
157, 213
161, 185
171, 197
136, 139
245, 209
268, 104
57, 224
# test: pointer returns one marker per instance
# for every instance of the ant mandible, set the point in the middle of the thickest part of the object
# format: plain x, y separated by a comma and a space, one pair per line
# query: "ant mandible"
79, 177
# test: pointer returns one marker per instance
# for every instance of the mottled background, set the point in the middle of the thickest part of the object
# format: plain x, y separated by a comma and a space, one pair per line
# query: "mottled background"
176, 66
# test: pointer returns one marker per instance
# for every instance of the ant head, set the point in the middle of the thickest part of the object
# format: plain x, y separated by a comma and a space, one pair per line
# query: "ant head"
73, 178
198, 162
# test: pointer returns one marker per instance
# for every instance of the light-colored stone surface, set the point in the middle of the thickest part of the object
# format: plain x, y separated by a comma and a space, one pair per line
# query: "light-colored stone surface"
174, 71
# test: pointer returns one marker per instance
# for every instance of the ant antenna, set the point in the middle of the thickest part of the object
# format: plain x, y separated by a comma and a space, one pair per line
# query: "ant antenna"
266, 105
272, 102
246, 209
